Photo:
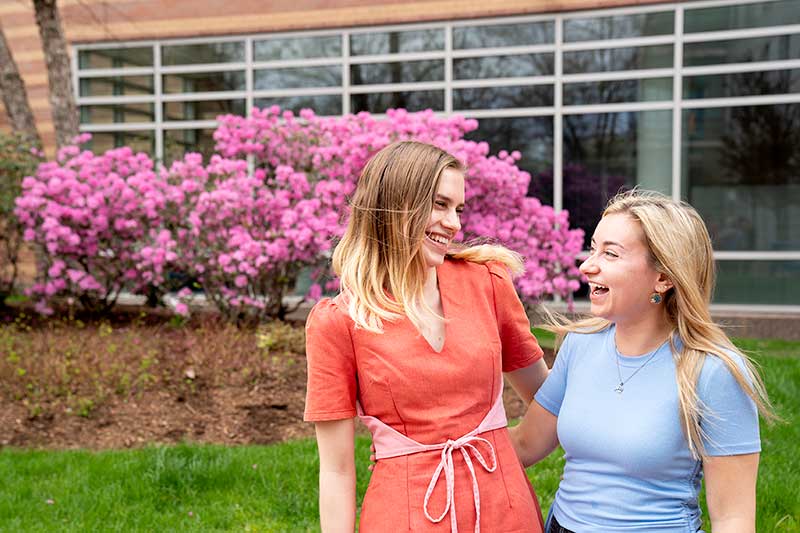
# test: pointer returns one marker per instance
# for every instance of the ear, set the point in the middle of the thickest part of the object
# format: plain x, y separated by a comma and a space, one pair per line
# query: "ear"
663, 283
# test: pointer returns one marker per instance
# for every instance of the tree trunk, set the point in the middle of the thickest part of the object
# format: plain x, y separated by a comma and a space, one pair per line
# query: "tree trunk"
15, 97
59, 72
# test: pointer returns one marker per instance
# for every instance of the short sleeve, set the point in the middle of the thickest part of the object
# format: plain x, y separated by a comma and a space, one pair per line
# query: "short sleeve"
520, 348
332, 384
551, 394
730, 417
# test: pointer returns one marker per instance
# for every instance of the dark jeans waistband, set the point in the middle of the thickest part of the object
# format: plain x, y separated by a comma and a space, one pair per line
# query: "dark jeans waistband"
555, 527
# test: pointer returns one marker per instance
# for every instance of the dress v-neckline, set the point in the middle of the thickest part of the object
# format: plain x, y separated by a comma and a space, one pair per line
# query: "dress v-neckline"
444, 315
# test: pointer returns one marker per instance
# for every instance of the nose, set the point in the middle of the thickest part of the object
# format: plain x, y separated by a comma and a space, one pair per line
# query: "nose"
452, 220
588, 265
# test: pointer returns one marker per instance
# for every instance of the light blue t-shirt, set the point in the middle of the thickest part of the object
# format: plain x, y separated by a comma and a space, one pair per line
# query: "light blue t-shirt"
628, 466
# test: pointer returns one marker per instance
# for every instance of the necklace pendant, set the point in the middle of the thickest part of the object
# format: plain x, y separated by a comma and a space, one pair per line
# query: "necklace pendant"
619, 388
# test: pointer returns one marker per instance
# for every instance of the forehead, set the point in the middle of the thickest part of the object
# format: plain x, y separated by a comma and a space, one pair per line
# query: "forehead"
621, 228
451, 184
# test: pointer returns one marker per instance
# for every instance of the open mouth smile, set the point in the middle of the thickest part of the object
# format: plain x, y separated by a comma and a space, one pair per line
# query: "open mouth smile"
597, 289
438, 240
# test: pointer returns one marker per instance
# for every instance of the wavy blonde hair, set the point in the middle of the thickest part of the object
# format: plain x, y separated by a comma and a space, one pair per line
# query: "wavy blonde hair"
680, 248
379, 261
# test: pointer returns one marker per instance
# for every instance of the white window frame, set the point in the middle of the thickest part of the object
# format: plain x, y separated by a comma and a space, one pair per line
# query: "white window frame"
677, 104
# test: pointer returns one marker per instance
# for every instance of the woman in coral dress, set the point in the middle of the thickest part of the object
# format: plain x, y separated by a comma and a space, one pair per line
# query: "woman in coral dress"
416, 345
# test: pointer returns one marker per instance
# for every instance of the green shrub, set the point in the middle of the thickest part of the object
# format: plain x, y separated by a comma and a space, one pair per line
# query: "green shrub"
18, 158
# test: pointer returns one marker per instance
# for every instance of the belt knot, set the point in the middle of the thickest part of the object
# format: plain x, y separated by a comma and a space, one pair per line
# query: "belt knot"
466, 445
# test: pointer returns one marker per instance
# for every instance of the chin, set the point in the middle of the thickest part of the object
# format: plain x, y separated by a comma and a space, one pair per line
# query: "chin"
599, 312
433, 260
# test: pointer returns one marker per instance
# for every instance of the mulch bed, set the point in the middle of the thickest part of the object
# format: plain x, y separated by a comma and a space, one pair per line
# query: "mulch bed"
196, 394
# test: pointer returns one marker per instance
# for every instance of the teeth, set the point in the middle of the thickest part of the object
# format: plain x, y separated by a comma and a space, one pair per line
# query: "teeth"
438, 239
597, 286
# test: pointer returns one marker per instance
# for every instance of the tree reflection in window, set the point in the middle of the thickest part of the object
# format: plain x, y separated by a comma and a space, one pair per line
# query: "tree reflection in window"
615, 59
396, 42
608, 152
503, 66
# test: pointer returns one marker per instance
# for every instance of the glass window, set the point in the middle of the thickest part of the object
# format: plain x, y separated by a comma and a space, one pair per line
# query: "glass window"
203, 109
616, 91
289, 78
533, 138
742, 172
396, 42
503, 66
757, 282
738, 16
410, 100
397, 72
742, 50
297, 48
607, 152
139, 141
116, 86
524, 34
193, 54
180, 142
742, 84
619, 26
203, 82
141, 56
321, 104
503, 97
109, 114
613, 59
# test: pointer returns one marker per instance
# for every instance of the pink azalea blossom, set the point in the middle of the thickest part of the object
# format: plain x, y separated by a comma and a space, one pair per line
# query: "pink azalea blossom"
106, 223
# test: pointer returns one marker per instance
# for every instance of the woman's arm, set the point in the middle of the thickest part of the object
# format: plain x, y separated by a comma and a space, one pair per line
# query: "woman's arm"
526, 381
337, 475
535, 436
731, 492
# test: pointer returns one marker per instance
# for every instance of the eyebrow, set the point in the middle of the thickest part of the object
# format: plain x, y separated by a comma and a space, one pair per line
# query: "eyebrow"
610, 243
438, 196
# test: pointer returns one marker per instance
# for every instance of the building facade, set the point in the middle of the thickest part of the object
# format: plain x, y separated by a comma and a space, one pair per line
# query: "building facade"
700, 100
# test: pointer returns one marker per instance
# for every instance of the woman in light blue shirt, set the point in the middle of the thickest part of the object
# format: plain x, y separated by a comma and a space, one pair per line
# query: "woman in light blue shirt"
649, 396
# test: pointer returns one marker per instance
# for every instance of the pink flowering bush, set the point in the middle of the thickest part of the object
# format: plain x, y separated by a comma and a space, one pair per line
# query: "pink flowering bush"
252, 234
271, 203
332, 151
89, 215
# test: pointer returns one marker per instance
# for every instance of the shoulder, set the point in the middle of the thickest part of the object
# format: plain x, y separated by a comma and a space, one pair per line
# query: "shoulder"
717, 373
328, 330
467, 267
469, 274
584, 342
464, 267
589, 337
328, 314
499, 269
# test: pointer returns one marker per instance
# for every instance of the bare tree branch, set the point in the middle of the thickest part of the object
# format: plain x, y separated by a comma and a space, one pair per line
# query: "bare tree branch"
59, 72
15, 97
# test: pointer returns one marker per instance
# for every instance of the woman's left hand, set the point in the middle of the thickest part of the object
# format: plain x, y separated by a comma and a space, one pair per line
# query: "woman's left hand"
372, 459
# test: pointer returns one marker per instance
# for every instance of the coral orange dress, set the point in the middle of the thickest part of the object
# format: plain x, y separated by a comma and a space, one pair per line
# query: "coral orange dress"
431, 397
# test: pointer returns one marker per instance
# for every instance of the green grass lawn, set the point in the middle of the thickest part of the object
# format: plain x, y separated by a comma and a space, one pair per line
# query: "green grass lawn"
271, 489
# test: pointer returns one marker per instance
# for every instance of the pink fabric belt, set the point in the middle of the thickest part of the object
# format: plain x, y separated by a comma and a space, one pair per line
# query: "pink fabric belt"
391, 443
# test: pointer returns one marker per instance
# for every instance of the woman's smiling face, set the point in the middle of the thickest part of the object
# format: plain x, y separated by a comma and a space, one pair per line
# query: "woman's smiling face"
621, 276
445, 220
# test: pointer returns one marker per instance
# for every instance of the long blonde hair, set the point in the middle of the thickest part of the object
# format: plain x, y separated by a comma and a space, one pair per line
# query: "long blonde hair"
379, 260
680, 248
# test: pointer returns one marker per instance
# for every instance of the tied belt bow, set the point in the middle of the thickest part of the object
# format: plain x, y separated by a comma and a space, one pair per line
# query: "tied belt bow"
466, 445
391, 443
